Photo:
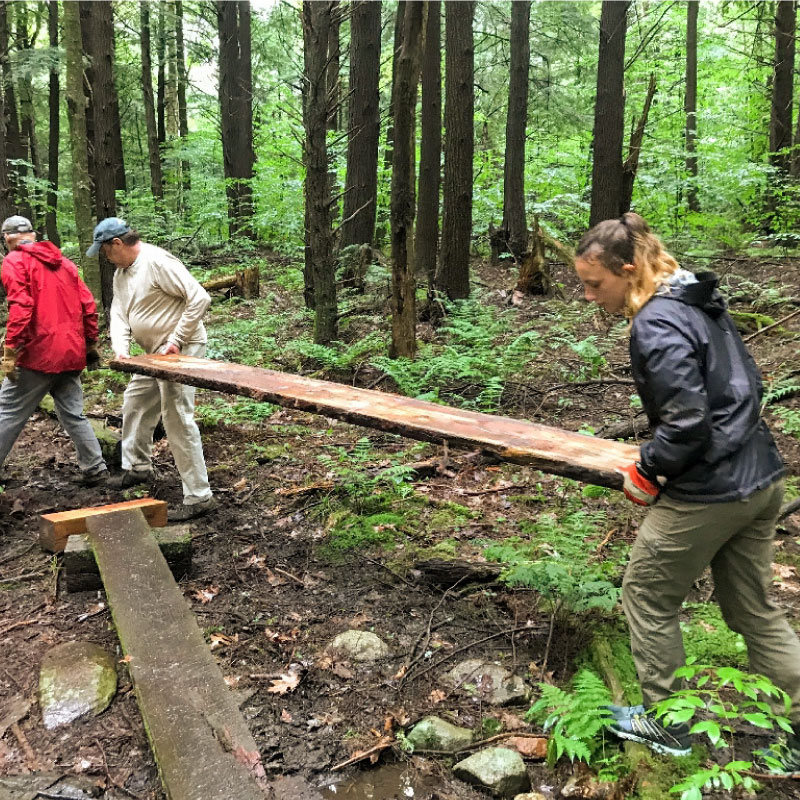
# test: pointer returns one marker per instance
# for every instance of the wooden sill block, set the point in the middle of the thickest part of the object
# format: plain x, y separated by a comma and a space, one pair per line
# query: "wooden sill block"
55, 529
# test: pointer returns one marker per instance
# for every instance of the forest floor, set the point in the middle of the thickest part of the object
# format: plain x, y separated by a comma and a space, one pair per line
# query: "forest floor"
277, 574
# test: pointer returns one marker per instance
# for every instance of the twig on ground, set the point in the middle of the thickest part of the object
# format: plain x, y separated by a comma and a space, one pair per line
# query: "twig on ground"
483, 742
385, 742
30, 757
773, 325
384, 567
289, 575
26, 576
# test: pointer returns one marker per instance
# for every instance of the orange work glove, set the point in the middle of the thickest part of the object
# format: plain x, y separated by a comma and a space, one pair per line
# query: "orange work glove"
9, 363
638, 488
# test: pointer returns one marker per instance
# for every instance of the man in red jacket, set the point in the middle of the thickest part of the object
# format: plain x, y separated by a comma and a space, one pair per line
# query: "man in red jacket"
51, 334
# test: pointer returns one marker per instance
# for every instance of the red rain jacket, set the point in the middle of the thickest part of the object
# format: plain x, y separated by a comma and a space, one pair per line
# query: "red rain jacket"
52, 315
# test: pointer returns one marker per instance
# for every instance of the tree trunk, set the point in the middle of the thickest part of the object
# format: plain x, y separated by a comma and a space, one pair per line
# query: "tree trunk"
398, 35
452, 277
363, 127
156, 178
780, 123
171, 88
76, 106
54, 99
98, 39
6, 195
514, 221
161, 78
236, 112
27, 116
631, 165
319, 234
404, 104
609, 109
430, 154
334, 66
690, 105
13, 144
183, 117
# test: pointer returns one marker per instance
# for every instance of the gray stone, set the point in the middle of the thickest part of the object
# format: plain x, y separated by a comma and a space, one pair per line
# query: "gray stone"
362, 646
494, 683
80, 568
497, 769
76, 679
434, 733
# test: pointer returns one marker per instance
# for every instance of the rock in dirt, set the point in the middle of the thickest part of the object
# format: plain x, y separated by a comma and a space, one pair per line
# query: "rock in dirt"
361, 646
434, 733
494, 683
76, 679
532, 796
496, 769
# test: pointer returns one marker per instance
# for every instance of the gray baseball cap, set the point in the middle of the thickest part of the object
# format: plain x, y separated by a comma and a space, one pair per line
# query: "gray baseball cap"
17, 224
110, 228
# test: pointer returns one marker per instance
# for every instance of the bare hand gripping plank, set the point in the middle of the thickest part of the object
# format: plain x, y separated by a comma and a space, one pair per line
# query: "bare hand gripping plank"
559, 452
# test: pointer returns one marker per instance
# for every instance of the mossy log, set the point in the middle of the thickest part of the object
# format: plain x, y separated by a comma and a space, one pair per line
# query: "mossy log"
245, 283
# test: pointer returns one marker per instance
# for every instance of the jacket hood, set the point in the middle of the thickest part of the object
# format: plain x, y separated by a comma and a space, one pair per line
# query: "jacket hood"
46, 252
699, 289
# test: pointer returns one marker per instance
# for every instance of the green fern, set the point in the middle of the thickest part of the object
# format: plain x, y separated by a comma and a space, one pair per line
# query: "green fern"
574, 719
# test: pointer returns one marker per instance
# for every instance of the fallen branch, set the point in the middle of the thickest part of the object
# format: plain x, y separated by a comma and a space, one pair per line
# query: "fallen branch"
482, 743
30, 757
770, 327
384, 743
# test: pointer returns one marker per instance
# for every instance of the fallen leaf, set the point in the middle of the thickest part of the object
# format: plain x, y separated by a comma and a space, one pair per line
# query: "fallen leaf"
232, 680
256, 561
240, 485
511, 722
286, 716
437, 696
529, 746
342, 671
221, 640
126, 660
206, 595
288, 682
400, 673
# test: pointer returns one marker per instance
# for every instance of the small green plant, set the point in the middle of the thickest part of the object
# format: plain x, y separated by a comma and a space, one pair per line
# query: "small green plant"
727, 696
790, 420
574, 719
220, 411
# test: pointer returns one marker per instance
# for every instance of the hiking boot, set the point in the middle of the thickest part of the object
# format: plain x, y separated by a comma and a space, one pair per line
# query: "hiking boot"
638, 725
94, 478
132, 477
782, 758
620, 712
192, 511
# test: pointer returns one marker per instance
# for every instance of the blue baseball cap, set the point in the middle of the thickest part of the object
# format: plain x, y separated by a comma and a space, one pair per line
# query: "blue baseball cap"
110, 228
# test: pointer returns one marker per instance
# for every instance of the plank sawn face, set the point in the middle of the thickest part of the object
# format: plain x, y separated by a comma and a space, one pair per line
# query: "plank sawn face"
550, 449
201, 742
55, 529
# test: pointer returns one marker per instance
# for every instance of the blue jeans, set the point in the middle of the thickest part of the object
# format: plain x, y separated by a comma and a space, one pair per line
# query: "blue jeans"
20, 398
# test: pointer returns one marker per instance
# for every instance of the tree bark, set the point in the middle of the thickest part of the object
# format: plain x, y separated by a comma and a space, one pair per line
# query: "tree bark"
54, 99
398, 33
76, 106
13, 142
690, 105
161, 78
183, 116
236, 112
631, 165
334, 66
452, 277
27, 116
403, 199
430, 154
780, 124
514, 221
606, 201
363, 128
154, 154
319, 234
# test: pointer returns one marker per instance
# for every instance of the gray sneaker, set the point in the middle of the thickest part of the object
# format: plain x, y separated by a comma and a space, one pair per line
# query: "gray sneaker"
193, 511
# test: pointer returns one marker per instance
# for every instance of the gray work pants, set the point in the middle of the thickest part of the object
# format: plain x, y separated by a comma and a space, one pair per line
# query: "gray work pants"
20, 398
148, 399
676, 542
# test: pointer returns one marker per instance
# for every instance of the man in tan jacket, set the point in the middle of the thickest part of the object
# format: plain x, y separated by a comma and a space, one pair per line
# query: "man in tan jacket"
159, 305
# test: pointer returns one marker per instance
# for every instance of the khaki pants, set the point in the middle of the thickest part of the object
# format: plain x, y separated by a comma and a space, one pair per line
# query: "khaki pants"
676, 542
145, 401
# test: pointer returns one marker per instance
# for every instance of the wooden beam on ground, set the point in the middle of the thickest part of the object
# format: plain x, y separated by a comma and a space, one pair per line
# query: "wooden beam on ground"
201, 742
55, 529
550, 449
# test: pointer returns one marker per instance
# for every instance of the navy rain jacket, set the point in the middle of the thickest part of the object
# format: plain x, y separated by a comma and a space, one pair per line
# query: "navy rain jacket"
701, 391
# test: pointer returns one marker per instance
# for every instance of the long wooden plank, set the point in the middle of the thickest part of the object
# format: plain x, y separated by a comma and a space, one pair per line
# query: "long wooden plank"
55, 529
202, 745
550, 449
